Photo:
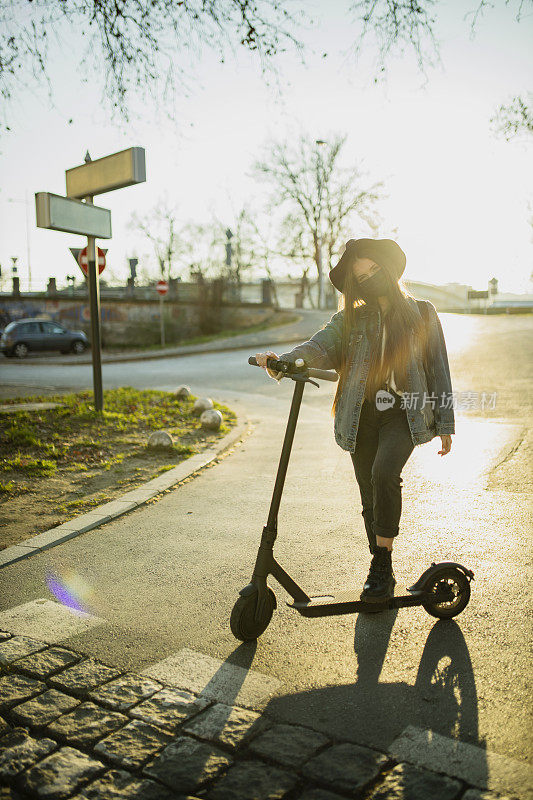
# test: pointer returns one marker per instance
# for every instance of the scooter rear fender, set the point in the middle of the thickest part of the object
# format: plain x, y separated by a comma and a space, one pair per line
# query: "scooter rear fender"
433, 569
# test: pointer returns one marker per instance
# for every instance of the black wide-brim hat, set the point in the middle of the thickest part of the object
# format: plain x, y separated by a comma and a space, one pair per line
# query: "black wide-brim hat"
384, 252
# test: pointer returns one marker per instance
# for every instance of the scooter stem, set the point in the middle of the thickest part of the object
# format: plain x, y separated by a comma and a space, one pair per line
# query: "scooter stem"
284, 458
265, 564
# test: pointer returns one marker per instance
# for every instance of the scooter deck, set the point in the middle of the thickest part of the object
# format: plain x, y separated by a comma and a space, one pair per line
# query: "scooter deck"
349, 602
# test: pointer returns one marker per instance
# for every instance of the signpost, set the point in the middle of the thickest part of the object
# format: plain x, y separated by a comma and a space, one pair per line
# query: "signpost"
69, 214
63, 214
162, 289
83, 261
106, 174
76, 254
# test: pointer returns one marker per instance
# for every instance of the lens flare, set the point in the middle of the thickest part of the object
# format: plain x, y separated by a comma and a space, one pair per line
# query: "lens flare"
70, 589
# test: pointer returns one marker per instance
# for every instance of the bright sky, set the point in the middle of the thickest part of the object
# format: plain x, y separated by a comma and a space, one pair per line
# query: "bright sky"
459, 198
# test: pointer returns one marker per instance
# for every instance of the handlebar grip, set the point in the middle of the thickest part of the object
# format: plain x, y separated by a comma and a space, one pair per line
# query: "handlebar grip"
272, 363
323, 374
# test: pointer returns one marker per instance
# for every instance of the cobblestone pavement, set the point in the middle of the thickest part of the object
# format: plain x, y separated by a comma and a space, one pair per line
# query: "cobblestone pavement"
73, 727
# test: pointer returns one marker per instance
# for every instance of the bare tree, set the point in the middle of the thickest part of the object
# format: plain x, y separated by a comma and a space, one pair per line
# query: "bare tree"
196, 248
235, 237
319, 198
411, 23
138, 42
241, 244
295, 243
515, 118
398, 22
160, 228
199, 252
141, 46
262, 243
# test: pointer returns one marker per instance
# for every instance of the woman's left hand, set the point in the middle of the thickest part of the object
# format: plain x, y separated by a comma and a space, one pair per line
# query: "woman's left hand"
446, 444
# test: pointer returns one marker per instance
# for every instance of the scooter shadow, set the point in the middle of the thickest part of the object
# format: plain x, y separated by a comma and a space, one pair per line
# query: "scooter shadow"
443, 698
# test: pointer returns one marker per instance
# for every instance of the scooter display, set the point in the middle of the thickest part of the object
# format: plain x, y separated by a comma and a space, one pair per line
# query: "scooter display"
443, 589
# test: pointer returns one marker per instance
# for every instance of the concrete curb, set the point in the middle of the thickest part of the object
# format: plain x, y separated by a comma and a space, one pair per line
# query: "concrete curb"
116, 508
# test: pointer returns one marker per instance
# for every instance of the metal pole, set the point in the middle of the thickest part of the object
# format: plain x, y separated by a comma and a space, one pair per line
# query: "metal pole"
94, 304
28, 239
320, 270
320, 177
162, 321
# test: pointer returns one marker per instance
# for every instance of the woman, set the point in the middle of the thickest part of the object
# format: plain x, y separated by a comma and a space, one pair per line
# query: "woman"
394, 390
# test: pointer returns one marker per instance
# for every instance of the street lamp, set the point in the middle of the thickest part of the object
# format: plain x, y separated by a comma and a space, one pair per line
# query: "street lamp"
320, 174
26, 203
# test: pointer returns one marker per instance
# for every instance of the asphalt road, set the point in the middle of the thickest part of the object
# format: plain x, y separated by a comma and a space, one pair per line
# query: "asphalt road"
165, 577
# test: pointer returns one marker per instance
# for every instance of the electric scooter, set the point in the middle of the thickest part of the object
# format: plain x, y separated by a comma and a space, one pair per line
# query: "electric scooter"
443, 589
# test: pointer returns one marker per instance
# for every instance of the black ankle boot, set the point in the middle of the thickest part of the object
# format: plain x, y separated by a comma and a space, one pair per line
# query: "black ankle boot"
380, 583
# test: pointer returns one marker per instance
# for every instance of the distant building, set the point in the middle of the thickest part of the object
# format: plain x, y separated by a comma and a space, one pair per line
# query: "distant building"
513, 301
455, 297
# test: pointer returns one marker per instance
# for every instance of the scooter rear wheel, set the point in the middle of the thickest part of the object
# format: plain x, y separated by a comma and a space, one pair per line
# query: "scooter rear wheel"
447, 593
242, 622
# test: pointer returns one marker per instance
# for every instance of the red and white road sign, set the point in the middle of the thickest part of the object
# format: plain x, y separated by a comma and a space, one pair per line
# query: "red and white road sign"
162, 287
83, 261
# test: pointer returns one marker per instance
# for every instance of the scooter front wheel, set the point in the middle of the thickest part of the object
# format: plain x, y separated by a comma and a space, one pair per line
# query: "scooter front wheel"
242, 622
447, 593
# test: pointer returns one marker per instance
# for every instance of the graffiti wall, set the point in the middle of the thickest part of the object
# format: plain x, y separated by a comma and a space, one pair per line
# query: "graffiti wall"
127, 323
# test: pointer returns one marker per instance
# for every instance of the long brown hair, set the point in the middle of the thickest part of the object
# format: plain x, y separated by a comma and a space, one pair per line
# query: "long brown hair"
401, 319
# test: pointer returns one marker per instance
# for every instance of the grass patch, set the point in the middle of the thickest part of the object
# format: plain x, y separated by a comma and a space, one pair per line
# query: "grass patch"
28, 466
166, 468
22, 436
69, 459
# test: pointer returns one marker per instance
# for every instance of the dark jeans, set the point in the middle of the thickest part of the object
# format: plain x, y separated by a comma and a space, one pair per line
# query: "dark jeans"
382, 447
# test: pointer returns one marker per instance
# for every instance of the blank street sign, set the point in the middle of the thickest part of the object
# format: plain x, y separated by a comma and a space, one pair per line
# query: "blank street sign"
72, 216
105, 174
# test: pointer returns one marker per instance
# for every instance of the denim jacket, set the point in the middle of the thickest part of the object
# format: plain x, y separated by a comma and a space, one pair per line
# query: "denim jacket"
428, 401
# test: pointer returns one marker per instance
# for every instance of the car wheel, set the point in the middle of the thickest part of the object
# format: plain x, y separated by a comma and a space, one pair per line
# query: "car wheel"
20, 350
78, 347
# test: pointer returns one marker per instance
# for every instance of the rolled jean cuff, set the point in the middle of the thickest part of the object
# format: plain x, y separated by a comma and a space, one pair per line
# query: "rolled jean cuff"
386, 533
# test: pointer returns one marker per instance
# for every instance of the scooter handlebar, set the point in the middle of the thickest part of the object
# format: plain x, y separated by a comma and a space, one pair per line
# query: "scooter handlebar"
277, 365
323, 374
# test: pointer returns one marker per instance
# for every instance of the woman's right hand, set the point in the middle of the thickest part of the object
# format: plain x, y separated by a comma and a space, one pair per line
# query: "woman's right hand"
261, 359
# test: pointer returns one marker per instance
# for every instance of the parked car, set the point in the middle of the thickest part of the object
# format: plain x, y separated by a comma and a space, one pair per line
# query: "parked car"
27, 335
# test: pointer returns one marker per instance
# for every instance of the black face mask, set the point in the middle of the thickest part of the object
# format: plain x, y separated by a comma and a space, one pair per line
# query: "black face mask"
374, 287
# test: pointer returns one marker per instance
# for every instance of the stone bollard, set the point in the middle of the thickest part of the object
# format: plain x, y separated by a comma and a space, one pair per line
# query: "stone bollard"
183, 391
201, 405
160, 439
211, 419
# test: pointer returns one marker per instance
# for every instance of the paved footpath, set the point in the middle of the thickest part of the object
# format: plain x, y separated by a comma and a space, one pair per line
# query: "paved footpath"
73, 727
